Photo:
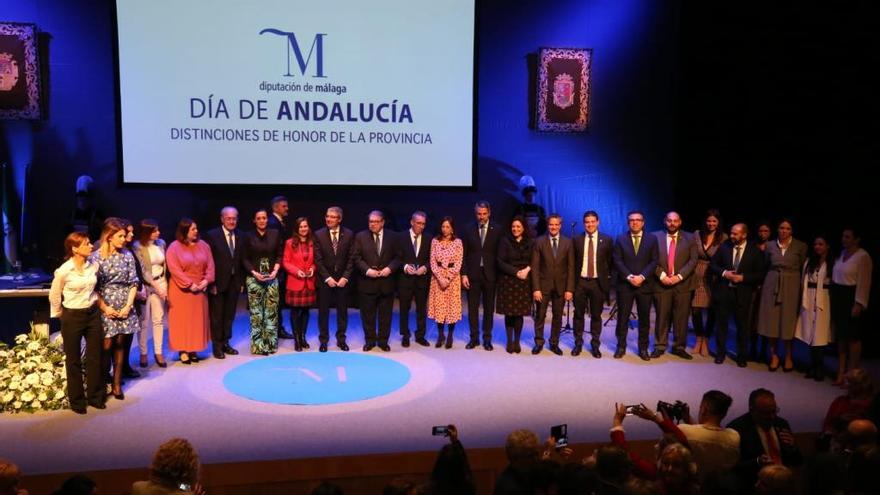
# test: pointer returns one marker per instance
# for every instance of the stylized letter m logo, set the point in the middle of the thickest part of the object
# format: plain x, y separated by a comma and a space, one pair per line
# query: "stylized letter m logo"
317, 48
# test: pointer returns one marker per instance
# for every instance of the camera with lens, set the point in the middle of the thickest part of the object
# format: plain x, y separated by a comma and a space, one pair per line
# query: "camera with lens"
675, 411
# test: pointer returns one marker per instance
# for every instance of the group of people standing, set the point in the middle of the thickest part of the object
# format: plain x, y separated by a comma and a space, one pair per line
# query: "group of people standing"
777, 289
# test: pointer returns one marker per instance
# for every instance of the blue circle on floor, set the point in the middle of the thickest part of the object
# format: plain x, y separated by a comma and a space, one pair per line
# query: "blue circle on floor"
316, 378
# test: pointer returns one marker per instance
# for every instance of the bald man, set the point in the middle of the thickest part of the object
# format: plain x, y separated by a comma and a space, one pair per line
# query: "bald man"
229, 278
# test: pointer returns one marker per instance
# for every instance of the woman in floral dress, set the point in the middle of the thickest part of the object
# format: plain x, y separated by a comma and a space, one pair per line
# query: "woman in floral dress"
262, 252
444, 294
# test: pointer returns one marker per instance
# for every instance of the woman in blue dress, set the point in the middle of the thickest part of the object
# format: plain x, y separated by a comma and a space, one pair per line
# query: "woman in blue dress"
117, 287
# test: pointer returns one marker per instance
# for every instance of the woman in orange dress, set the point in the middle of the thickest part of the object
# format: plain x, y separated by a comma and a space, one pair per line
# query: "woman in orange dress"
192, 269
444, 294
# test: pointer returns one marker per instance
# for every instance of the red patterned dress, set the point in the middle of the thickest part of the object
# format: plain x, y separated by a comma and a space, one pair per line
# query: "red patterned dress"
444, 305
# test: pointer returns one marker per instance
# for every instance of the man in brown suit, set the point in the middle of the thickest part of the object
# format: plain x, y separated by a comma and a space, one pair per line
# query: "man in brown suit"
552, 281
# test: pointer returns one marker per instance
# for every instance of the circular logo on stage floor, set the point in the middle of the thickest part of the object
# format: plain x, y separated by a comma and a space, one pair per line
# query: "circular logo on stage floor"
316, 378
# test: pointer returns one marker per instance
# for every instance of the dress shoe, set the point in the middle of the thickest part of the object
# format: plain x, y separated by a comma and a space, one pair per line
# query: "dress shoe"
576, 351
297, 345
385, 347
656, 354
644, 355
228, 349
487, 346
719, 358
322, 348
619, 353
218, 353
304, 343
471, 344
423, 342
517, 348
284, 334
440, 341
742, 362
143, 362
556, 350
194, 357
129, 372
404, 342
184, 358
596, 353
537, 349
682, 354
99, 405
342, 346
119, 396
160, 360
78, 409
369, 347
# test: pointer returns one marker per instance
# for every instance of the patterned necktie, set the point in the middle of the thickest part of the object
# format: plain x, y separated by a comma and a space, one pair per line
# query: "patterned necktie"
416, 244
737, 257
231, 242
378, 245
591, 272
482, 233
555, 246
637, 241
670, 258
334, 240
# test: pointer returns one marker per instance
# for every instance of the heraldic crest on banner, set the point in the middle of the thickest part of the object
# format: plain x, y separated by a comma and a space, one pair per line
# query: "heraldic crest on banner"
563, 100
19, 71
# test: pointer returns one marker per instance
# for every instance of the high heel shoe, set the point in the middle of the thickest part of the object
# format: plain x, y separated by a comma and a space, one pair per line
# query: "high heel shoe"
144, 363
118, 395
160, 360
448, 341
184, 358
440, 339
770, 366
193, 357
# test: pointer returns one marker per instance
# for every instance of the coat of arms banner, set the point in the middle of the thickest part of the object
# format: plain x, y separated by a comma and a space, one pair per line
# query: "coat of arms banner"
564, 89
19, 72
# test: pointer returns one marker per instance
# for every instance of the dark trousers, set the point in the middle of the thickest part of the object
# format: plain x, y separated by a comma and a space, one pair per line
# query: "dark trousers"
481, 290
299, 320
406, 294
556, 301
222, 310
282, 301
673, 307
77, 324
625, 298
588, 295
738, 302
372, 306
326, 296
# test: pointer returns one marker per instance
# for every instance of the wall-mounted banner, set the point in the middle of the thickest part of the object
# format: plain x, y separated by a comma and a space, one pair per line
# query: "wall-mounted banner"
564, 89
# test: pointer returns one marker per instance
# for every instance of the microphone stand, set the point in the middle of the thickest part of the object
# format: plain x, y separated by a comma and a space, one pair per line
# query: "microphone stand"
568, 304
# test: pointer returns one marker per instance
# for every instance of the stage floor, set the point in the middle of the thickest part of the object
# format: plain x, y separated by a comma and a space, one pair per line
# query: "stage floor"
486, 394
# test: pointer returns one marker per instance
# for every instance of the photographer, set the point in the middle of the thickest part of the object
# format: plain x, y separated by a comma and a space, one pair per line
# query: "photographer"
641, 467
765, 438
715, 448
175, 469
452, 472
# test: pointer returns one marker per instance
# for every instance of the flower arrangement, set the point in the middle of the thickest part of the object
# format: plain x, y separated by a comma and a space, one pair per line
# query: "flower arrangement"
32, 375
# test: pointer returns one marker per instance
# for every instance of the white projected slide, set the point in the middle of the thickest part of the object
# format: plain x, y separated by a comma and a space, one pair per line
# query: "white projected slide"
331, 92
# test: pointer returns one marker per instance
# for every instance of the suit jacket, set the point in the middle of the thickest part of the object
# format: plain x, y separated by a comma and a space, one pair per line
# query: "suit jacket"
142, 258
294, 261
408, 257
685, 260
336, 265
551, 273
366, 257
275, 224
604, 245
473, 251
228, 270
627, 262
750, 447
751, 266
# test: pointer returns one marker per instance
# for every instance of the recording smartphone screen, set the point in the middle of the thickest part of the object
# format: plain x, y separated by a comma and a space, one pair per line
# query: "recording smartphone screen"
439, 431
560, 433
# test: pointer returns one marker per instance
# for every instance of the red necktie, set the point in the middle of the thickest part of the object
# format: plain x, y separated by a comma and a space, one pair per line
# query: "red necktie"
772, 447
670, 261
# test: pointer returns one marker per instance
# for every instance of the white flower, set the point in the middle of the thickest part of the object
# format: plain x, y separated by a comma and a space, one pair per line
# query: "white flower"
7, 398
17, 404
34, 346
32, 379
28, 396
43, 397
59, 394
3, 354
14, 385
21, 339
36, 404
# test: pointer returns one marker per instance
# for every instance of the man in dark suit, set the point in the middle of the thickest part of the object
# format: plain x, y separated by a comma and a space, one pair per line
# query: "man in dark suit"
764, 438
739, 267
376, 259
412, 282
635, 258
278, 221
478, 273
676, 260
592, 273
552, 281
333, 249
228, 279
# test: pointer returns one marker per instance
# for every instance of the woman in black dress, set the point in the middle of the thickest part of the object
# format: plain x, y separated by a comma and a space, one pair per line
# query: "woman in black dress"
514, 299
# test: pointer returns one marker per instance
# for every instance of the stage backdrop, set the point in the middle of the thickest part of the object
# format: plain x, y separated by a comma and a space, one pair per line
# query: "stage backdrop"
622, 162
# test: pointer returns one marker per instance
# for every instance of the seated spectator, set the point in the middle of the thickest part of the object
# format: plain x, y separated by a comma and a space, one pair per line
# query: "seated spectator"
10, 478
853, 405
175, 469
400, 486
452, 472
77, 485
641, 486
764, 438
776, 479
715, 449
327, 488
641, 467
523, 450
864, 464
677, 471
860, 433
613, 468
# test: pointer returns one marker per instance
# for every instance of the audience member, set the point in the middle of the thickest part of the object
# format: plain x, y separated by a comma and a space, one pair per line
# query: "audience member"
175, 469
715, 449
452, 472
77, 485
776, 479
853, 405
522, 449
10, 478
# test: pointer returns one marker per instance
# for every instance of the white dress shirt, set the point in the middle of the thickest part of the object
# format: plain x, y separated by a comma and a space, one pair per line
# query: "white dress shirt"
72, 289
855, 271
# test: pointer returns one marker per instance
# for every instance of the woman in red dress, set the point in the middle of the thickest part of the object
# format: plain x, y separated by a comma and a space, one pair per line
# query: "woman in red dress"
299, 262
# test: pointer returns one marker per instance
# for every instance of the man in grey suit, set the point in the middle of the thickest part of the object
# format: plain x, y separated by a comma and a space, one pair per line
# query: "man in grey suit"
552, 281
676, 260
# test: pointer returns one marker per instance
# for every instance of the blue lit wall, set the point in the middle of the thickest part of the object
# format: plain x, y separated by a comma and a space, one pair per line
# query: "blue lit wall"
623, 162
